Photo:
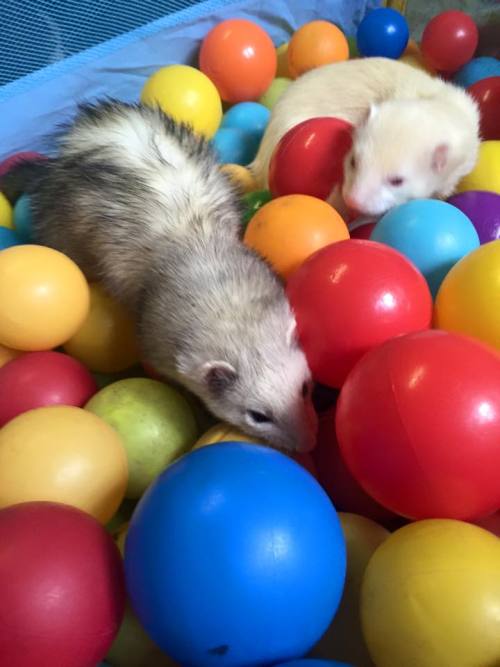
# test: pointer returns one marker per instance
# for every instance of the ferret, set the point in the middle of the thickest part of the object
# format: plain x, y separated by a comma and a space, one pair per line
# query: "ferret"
415, 136
139, 202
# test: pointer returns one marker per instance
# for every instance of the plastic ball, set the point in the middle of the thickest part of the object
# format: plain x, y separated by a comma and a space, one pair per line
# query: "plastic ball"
6, 213
449, 41
432, 234
62, 583
312, 662
486, 92
486, 173
248, 116
274, 92
421, 403
314, 44
362, 228
222, 432
287, 230
235, 146
23, 219
412, 55
187, 95
429, 595
9, 238
468, 299
483, 209
353, 48
477, 69
309, 158
282, 56
344, 638
383, 32
276, 556
240, 58
6, 355
352, 296
253, 201
155, 423
240, 176
63, 454
105, 341
38, 379
490, 522
23, 156
44, 298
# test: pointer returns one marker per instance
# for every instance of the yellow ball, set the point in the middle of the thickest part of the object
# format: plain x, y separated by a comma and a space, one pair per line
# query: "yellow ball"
486, 173
187, 95
240, 176
223, 433
44, 298
6, 213
63, 454
431, 595
468, 300
106, 341
344, 639
6, 355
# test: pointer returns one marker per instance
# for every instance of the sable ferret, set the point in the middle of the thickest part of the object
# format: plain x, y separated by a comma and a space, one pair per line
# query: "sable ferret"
415, 135
139, 203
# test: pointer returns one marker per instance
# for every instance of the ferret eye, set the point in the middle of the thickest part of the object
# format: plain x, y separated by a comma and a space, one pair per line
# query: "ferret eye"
259, 417
305, 390
353, 162
396, 181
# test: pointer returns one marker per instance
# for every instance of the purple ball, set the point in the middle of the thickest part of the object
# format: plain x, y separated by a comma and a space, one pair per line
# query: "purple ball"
483, 209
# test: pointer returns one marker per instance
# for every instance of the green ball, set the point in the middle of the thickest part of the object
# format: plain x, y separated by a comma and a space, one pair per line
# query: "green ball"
274, 92
353, 47
253, 201
155, 422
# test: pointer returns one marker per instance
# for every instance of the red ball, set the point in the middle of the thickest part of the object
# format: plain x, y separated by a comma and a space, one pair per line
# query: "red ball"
350, 297
309, 159
418, 423
333, 474
16, 158
362, 229
240, 59
62, 584
38, 379
449, 41
486, 92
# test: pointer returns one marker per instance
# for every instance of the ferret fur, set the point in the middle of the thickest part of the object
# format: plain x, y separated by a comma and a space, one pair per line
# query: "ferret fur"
415, 135
140, 204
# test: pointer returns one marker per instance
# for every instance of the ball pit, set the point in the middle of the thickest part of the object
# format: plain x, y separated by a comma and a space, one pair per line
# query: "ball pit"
351, 296
6, 214
276, 556
6, 355
486, 92
38, 379
23, 221
421, 403
306, 222
425, 577
486, 173
275, 91
8, 238
432, 234
63, 454
234, 145
483, 209
449, 41
13, 160
241, 177
63, 592
253, 201
477, 69
40, 286
155, 424
315, 44
382, 32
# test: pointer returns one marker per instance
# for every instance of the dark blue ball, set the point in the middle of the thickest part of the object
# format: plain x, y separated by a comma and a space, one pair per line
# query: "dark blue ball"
235, 555
383, 32
8, 238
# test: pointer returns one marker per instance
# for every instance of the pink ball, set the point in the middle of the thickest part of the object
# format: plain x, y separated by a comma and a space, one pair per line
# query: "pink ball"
62, 583
38, 379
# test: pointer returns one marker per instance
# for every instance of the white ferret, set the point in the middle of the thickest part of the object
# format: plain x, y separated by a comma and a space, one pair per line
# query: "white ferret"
415, 135
140, 204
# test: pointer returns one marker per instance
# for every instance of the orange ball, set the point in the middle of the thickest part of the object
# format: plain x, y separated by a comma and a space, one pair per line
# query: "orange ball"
287, 230
240, 59
106, 341
314, 44
6, 355
44, 298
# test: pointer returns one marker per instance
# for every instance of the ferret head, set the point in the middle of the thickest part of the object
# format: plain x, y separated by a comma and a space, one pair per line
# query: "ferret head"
262, 384
410, 149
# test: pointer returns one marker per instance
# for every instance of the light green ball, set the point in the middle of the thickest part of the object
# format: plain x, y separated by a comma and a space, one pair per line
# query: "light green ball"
274, 92
155, 422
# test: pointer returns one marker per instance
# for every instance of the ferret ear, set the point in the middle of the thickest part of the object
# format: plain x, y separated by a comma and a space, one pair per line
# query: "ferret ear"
440, 157
219, 376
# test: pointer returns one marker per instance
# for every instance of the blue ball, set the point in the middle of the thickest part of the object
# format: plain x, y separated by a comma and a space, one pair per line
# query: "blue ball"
434, 235
313, 662
8, 238
249, 116
383, 32
235, 555
477, 69
23, 220
236, 146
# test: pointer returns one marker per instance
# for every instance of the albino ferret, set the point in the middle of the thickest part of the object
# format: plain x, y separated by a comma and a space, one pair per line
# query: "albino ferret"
415, 135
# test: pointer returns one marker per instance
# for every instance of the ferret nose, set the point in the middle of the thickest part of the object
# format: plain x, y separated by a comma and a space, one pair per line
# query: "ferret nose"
352, 203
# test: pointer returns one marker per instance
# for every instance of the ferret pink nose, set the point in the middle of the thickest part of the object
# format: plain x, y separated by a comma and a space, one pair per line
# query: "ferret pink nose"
352, 203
